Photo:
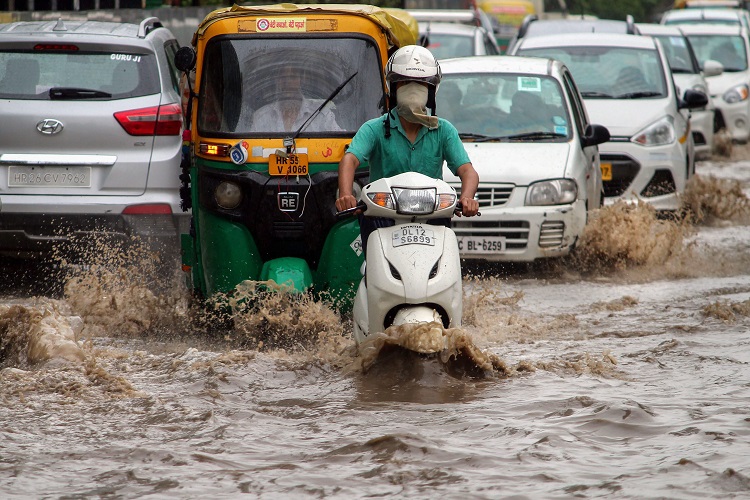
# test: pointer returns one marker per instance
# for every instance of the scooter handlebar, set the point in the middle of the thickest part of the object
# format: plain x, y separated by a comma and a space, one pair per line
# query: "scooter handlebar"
459, 209
361, 207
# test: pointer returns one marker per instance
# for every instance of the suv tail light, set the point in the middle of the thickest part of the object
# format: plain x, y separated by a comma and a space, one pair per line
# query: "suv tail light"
157, 120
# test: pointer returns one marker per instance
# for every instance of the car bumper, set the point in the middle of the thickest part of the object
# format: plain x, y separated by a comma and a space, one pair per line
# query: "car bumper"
736, 117
529, 233
656, 174
31, 227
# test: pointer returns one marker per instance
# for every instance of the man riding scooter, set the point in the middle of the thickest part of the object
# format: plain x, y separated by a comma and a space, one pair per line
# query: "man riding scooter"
406, 138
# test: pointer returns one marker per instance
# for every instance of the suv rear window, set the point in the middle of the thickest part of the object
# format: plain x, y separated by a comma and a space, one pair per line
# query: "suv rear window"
112, 75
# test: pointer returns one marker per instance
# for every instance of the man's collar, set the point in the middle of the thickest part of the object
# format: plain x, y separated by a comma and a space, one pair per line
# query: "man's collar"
395, 119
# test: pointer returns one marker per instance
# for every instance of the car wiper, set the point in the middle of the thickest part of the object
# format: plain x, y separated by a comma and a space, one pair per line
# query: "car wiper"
536, 135
76, 93
480, 137
315, 113
638, 95
683, 71
596, 94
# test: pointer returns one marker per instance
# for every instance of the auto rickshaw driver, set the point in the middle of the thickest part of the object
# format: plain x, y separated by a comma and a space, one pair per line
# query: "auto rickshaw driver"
290, 109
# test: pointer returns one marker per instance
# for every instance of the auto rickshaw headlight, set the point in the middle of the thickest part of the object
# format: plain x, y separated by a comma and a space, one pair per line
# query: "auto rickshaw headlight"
228, 195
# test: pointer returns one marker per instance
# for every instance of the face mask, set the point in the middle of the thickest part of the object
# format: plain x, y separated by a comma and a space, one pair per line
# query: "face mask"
412, 105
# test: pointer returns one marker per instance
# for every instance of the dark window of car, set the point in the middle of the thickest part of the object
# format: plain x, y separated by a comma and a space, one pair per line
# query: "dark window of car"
489, 47
610, 72
31, 75
246, 80
679, 54
170, 49
504, 105
573, 95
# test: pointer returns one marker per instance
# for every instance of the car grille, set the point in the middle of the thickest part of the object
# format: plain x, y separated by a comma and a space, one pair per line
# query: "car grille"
624, 170
516, 233
551, 234
491, 196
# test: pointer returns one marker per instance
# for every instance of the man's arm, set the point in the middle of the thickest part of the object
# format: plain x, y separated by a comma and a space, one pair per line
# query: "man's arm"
347, 166
469, 184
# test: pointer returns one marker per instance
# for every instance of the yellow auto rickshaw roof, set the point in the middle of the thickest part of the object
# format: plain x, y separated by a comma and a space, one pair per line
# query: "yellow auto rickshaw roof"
396, 30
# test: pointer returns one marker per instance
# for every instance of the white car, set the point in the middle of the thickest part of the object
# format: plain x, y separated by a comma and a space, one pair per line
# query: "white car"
711, 15
448, 40
526, 131
687, 74
729, 90
627, 87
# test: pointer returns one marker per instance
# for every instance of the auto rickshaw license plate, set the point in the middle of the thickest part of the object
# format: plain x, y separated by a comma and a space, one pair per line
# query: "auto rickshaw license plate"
606, 171
293, 164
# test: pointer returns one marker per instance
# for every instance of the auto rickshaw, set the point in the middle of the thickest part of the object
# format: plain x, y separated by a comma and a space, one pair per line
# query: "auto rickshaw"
279, 91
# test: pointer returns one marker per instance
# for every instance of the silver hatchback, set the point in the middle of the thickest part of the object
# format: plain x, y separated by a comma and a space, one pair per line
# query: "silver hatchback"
91, 135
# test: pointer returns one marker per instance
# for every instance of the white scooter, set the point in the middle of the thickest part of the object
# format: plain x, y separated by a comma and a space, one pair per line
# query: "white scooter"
413, 270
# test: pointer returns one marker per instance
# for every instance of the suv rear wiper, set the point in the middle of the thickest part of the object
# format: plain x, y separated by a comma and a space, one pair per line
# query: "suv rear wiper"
536, 135
638, 95
76, 93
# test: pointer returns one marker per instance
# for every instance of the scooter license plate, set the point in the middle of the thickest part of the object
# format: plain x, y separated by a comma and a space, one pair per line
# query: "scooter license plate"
293, 164
413, 235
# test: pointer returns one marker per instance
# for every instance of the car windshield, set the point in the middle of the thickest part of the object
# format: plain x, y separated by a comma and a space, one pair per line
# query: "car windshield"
77, 75
726, 49
678, 53
703, 20
492, 106
444, 46
610, 72
272, 87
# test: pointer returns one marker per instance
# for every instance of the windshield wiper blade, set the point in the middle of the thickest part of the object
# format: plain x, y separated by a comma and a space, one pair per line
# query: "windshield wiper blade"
536, 135
480, 137
596, 94
330, 98
76, 93
638, 95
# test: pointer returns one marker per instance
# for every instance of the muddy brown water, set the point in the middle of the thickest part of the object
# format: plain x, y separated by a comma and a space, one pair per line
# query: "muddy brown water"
621, 372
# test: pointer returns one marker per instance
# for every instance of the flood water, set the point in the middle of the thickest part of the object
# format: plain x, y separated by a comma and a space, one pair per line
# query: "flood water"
623, 372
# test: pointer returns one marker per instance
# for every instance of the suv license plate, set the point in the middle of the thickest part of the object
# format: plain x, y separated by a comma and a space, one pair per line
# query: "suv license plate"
481, 244
293, 164
27, 176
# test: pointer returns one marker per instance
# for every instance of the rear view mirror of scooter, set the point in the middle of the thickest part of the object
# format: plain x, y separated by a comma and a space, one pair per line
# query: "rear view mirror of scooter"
413, 268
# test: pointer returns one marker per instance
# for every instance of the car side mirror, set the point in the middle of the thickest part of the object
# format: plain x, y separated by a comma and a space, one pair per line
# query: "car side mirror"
712, 68
594, 135
693, 99
185, 59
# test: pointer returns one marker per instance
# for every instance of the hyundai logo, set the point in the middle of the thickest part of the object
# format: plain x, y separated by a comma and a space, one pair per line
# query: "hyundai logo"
49, 126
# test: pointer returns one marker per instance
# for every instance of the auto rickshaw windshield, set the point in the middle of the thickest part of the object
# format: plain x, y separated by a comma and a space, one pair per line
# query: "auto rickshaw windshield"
270, 87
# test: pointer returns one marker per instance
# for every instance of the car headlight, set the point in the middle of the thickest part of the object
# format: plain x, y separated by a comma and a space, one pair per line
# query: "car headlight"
736, 94
228, 195
552, 192
657, 134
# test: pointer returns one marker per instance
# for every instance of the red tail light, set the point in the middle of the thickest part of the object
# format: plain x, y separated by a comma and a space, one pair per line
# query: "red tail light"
148, 209
157, 120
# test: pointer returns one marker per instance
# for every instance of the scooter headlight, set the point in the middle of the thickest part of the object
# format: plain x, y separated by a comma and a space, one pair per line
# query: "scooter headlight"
415, 201
228, 195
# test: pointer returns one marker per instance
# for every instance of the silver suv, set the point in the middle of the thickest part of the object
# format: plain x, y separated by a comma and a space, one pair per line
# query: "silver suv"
91, 135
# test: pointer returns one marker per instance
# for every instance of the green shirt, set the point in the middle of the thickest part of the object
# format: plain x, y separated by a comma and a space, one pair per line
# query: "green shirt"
397, 154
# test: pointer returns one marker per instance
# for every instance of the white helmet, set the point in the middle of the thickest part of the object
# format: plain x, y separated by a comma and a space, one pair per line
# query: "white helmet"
412, 63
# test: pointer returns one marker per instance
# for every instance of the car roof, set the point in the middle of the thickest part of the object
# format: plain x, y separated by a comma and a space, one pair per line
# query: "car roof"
448, 28
711, 29
447, 15
98, 28
587, 40
700, 13
659, 29
499, 64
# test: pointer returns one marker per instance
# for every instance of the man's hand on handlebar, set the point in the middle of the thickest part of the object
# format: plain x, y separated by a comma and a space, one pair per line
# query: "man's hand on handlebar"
469, 207
346, 202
